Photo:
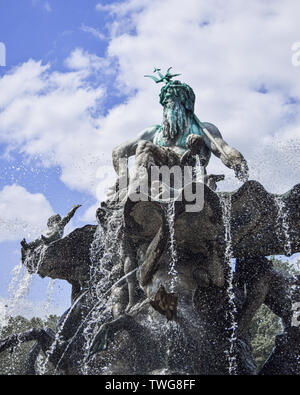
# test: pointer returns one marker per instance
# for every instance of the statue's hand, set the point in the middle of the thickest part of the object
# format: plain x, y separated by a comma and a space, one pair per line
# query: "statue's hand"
241, 171
235, 161
188, 159
77, 206
194, 143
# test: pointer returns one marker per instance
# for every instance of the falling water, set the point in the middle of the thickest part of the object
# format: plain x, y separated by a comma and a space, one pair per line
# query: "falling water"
282, 225
16, 272
57, 338
49, 297
96, 307
96, 250
101, 254
173, 251
102, 251
199, 170
226, 211
22, 290
41, 361
19, 287
40, 365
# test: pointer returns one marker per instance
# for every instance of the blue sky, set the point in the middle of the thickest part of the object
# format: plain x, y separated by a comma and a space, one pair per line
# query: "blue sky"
31, 30
73, 88
46, 31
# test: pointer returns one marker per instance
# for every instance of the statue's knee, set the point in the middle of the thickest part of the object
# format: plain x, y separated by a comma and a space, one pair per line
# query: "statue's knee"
144, 147
140, 147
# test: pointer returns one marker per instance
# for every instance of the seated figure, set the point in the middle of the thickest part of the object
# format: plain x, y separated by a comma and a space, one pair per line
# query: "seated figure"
175, 142
56, 226
180, 136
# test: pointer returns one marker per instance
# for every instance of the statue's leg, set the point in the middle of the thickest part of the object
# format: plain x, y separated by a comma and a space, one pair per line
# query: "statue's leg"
256, 274
31, 359
153, 254
145, 345
284, 358
129, 252
44, 337
119, 296
133, 296
279, 298
107, 331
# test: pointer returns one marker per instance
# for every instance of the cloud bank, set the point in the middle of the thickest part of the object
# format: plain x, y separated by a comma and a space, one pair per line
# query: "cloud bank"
237, 59
22, 214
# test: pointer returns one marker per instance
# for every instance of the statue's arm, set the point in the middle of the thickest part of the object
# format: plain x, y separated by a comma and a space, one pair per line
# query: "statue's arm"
230, 156
70, 214
127, 149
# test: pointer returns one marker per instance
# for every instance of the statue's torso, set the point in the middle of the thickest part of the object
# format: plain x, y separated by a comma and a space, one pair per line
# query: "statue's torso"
56, 232
179, 144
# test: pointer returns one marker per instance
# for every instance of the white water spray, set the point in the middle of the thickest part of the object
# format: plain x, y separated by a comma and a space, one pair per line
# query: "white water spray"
174, 259
282, 226
226, 211
102, 251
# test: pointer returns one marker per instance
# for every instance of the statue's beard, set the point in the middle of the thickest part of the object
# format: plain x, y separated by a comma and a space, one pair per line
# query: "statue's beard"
175, 120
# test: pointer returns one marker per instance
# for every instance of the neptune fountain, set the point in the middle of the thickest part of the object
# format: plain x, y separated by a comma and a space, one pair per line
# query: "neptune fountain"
170, 279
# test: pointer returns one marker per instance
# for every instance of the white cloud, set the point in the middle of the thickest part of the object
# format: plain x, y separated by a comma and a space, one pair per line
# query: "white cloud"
86, 62
237, 59
50, 115
47, 6
228, 53
22, 214
44, 4
94, 32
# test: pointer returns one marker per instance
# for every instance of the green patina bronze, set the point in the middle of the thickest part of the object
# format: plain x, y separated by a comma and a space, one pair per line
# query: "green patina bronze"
186, 97
162, 78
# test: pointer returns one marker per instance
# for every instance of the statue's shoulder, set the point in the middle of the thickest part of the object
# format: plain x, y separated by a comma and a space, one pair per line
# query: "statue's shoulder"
149, 133
212, 129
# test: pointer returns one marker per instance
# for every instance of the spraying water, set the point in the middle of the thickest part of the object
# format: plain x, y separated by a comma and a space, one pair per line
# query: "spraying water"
16, 272
174, 259
41, 361
19, 288
226, 211
282, 225
58, 339
103, 249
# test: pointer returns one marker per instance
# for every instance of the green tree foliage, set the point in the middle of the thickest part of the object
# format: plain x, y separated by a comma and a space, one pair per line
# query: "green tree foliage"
266, 325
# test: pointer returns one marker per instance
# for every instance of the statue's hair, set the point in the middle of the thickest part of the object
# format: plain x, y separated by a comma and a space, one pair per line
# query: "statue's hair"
53, 218
182, 91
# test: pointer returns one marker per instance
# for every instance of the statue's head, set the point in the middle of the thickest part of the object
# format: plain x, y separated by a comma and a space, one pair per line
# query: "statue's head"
53, 220
178, 100
176, 91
